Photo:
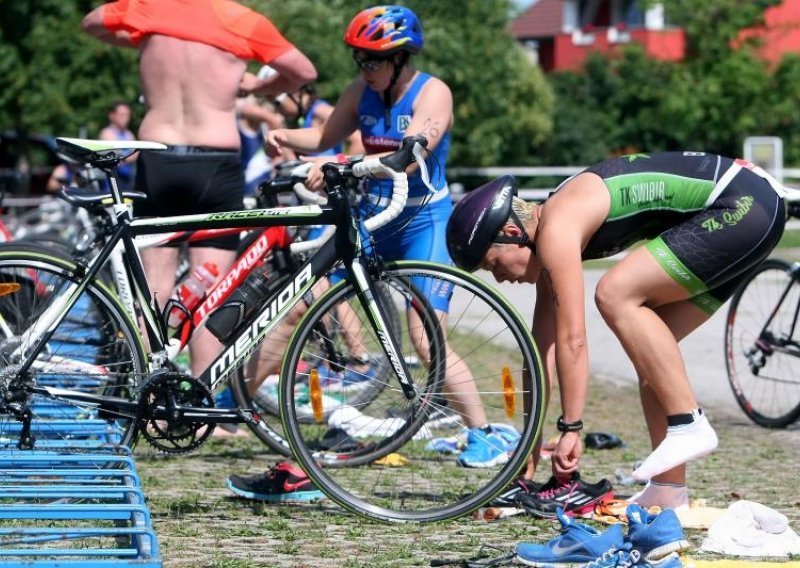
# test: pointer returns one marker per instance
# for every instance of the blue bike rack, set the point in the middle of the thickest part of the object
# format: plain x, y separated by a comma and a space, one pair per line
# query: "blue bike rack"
75, 499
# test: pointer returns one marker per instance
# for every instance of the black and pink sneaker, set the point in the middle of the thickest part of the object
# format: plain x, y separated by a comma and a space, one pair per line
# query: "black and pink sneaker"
282, 483
508, 498
575, 497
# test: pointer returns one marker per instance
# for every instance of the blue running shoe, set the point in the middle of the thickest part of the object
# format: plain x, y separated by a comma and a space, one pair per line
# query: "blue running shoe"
224, 399
627, 557
655, 536
348, 381
487, 447
577, 544
451, 444
510, 434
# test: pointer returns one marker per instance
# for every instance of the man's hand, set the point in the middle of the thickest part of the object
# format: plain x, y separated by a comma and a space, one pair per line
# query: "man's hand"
567, 455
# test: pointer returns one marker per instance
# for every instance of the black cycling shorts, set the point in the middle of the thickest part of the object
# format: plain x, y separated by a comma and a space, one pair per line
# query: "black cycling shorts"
190, 180
712, 252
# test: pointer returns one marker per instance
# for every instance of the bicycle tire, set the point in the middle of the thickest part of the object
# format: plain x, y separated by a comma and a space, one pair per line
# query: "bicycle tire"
762, 365
97, 337
487, 334
266, 424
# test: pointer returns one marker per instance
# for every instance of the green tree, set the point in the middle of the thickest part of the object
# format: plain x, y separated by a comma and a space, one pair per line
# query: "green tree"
712, 27
779, 114
58, 79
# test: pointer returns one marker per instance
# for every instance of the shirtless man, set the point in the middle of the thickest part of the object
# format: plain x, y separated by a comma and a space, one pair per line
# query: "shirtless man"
192, 66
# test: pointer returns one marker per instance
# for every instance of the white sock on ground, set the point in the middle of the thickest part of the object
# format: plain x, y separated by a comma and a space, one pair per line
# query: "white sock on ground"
664, 495
682, 444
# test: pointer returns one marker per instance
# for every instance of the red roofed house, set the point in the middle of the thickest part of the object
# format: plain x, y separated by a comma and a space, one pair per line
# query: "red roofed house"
564, 32
781, 31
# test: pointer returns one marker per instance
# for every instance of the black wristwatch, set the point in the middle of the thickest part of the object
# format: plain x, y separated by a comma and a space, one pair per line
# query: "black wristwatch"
562, 426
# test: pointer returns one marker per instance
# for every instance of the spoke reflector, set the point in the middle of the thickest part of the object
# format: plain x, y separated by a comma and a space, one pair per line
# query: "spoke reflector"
315, 393
509, 393
7, 288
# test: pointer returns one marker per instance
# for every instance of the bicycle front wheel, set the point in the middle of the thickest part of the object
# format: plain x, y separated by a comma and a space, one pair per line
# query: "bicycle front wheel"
261, 394
453, 447
96, 350
762, 344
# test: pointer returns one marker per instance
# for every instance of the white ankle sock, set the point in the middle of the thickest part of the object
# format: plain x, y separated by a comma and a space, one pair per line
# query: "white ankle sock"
682, 444
664, 495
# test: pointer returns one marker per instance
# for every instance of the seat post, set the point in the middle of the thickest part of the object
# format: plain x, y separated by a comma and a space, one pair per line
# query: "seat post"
112, 180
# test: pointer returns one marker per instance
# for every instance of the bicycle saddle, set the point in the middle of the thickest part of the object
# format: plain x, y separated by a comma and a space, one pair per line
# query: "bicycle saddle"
102, 153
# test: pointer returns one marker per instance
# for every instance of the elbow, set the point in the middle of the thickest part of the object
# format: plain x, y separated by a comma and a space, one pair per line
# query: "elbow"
305, 75
574, 346
90, 22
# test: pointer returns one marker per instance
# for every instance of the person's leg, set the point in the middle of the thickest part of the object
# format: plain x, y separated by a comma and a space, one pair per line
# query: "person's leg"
459, 384
667, 489
160, 264
204, 347
632, 298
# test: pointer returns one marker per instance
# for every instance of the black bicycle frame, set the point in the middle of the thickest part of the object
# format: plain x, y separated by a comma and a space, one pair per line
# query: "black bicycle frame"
346, 246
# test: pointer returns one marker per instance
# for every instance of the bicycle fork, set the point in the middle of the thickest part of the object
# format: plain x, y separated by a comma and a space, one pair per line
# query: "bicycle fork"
377, 316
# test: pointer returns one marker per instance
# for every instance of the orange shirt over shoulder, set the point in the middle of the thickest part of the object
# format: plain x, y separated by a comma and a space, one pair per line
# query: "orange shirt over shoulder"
220, 23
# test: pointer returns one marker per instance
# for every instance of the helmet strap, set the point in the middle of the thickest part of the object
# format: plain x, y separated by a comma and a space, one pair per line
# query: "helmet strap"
297, 99
523, 239
397, 67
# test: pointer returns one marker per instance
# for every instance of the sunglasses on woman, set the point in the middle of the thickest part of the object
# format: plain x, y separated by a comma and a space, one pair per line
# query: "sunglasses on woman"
367, 62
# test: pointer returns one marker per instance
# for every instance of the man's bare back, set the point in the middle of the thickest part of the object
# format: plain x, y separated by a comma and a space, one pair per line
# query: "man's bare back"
190, 90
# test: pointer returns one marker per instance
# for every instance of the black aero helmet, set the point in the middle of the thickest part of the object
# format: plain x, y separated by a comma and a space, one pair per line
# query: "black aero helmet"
477, 219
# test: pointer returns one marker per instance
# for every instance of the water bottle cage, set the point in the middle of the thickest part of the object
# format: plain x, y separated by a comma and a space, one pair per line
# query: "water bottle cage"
184, 333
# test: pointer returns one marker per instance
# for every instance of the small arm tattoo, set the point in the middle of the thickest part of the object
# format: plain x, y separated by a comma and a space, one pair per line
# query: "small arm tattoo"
431, 128
549, 278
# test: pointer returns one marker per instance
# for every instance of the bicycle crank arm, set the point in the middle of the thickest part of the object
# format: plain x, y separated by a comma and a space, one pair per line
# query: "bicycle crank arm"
199, 414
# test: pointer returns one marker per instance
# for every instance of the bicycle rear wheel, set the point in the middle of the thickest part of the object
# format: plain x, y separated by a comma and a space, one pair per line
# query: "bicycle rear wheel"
762, 358
400, 460
96, 349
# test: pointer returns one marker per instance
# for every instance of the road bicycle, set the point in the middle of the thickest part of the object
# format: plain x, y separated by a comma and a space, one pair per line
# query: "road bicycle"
762, 341
272, 252
108, 372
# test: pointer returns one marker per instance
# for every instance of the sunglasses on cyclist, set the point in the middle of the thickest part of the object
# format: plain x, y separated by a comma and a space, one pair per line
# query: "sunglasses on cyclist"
367, 62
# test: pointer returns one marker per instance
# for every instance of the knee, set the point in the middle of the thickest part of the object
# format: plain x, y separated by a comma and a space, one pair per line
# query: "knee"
608, 299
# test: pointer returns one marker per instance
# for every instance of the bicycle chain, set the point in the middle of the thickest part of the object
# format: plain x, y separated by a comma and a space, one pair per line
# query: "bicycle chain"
173, 436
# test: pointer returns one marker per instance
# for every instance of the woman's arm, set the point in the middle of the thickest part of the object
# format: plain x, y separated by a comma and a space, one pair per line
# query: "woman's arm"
567, 222
341, 122
558, 246
433, 112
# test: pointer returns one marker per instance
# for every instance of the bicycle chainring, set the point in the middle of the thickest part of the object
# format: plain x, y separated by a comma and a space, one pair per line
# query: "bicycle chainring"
160, 422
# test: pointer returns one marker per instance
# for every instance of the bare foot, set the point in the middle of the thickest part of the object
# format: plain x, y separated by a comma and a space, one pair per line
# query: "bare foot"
220, 432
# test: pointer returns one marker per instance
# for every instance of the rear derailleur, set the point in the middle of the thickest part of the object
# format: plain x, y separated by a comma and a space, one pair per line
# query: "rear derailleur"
14, 400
